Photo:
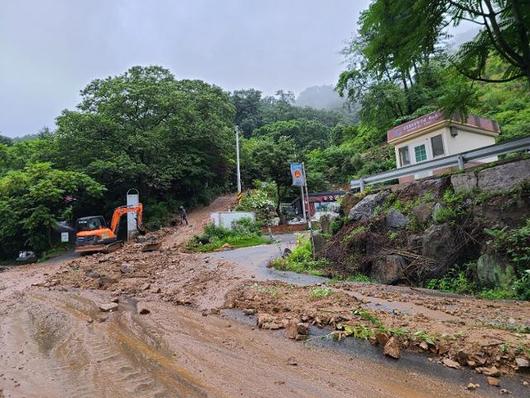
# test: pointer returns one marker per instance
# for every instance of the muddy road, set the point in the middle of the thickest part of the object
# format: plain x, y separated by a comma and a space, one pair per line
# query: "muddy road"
172, 335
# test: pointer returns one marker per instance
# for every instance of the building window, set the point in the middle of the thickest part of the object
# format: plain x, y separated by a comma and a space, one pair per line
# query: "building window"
420, 153
404, 158
437, 145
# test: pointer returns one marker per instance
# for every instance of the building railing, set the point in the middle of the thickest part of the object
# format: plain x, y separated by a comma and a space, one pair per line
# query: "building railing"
459, 160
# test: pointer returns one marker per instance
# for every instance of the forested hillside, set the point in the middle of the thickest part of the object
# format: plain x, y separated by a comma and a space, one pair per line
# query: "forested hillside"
174, 139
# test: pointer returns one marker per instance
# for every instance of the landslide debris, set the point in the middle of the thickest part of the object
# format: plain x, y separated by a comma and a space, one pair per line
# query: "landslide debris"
459, 331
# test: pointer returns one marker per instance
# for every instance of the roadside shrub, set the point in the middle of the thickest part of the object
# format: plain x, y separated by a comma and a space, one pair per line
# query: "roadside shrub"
300, 259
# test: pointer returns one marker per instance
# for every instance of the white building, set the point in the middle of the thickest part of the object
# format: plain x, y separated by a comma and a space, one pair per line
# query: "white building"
433, 136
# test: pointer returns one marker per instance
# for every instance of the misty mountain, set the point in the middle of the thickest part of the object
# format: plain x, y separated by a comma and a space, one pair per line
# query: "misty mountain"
320, 97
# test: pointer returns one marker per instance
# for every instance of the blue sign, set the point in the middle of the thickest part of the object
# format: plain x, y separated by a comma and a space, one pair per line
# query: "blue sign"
297, 172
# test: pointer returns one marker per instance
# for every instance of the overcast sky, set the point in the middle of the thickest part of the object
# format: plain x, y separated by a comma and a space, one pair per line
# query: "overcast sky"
50, 49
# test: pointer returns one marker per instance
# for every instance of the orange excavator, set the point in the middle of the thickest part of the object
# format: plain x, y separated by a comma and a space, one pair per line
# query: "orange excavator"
94, 236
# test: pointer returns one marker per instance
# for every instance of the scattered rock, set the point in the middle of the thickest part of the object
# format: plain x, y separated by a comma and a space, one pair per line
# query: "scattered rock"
396, 220
494, 381
450, 363
424, 346
267, 321
126, 268
146, 286
472, 386
504, 391
292, 361
296, 330
107, 307
392, 348
381, 338
493, 371
522, 362
249, 311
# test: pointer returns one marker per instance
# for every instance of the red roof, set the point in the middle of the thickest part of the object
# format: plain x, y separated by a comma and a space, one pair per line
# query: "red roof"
436, 117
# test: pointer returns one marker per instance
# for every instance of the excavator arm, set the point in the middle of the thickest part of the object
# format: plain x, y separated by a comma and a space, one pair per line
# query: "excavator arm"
120, 211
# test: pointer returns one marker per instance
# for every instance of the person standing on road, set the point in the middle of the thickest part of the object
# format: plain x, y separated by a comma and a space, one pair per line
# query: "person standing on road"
183, 215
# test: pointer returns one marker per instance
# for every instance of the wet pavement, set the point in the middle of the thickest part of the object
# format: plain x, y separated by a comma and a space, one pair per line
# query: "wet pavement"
255, 260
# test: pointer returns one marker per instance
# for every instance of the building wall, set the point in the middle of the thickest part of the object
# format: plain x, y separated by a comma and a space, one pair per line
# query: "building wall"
463, 141
466, 141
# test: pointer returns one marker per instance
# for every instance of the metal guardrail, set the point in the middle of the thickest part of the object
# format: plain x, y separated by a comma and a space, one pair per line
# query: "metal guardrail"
459, 160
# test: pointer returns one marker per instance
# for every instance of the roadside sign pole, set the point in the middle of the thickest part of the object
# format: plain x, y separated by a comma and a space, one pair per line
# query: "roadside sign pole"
303, 203
237, 160
308, 212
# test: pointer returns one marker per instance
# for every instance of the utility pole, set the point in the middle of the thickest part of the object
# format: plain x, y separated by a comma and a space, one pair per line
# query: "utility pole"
237, 158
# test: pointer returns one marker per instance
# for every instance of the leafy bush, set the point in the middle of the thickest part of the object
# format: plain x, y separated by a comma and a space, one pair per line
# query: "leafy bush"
261, 200
514, 243
244, 233
300, 259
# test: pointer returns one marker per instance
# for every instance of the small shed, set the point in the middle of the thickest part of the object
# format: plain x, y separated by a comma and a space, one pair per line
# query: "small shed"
435, 136
226, 219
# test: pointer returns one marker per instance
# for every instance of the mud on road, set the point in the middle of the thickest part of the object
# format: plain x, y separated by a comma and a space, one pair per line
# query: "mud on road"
56, 342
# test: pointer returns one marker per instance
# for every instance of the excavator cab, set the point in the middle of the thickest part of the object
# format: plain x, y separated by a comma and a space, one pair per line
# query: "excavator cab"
90, 223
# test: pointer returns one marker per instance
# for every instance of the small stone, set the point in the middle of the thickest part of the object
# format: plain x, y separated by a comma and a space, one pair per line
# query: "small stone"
424, 346
107, 307
249, 311
142, 309
471, 364
450, 363
391, 348
493, 371
494, 381
292, 361
146, 286
525, 383
381, 338
472, 386
504, 391
115, 300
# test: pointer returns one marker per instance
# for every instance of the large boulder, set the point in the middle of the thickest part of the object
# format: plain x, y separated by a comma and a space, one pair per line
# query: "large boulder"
493, 271
396, 220
423, 212
434, 186
440, 244
388, 269
365, 208
464, 182
504, 177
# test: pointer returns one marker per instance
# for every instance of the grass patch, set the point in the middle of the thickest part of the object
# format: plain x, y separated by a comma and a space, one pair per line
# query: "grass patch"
244, 233
320, 292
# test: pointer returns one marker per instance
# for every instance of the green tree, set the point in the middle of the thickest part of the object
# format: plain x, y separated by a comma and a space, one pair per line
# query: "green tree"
170, 139
32, 200
268, 159
306, 134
